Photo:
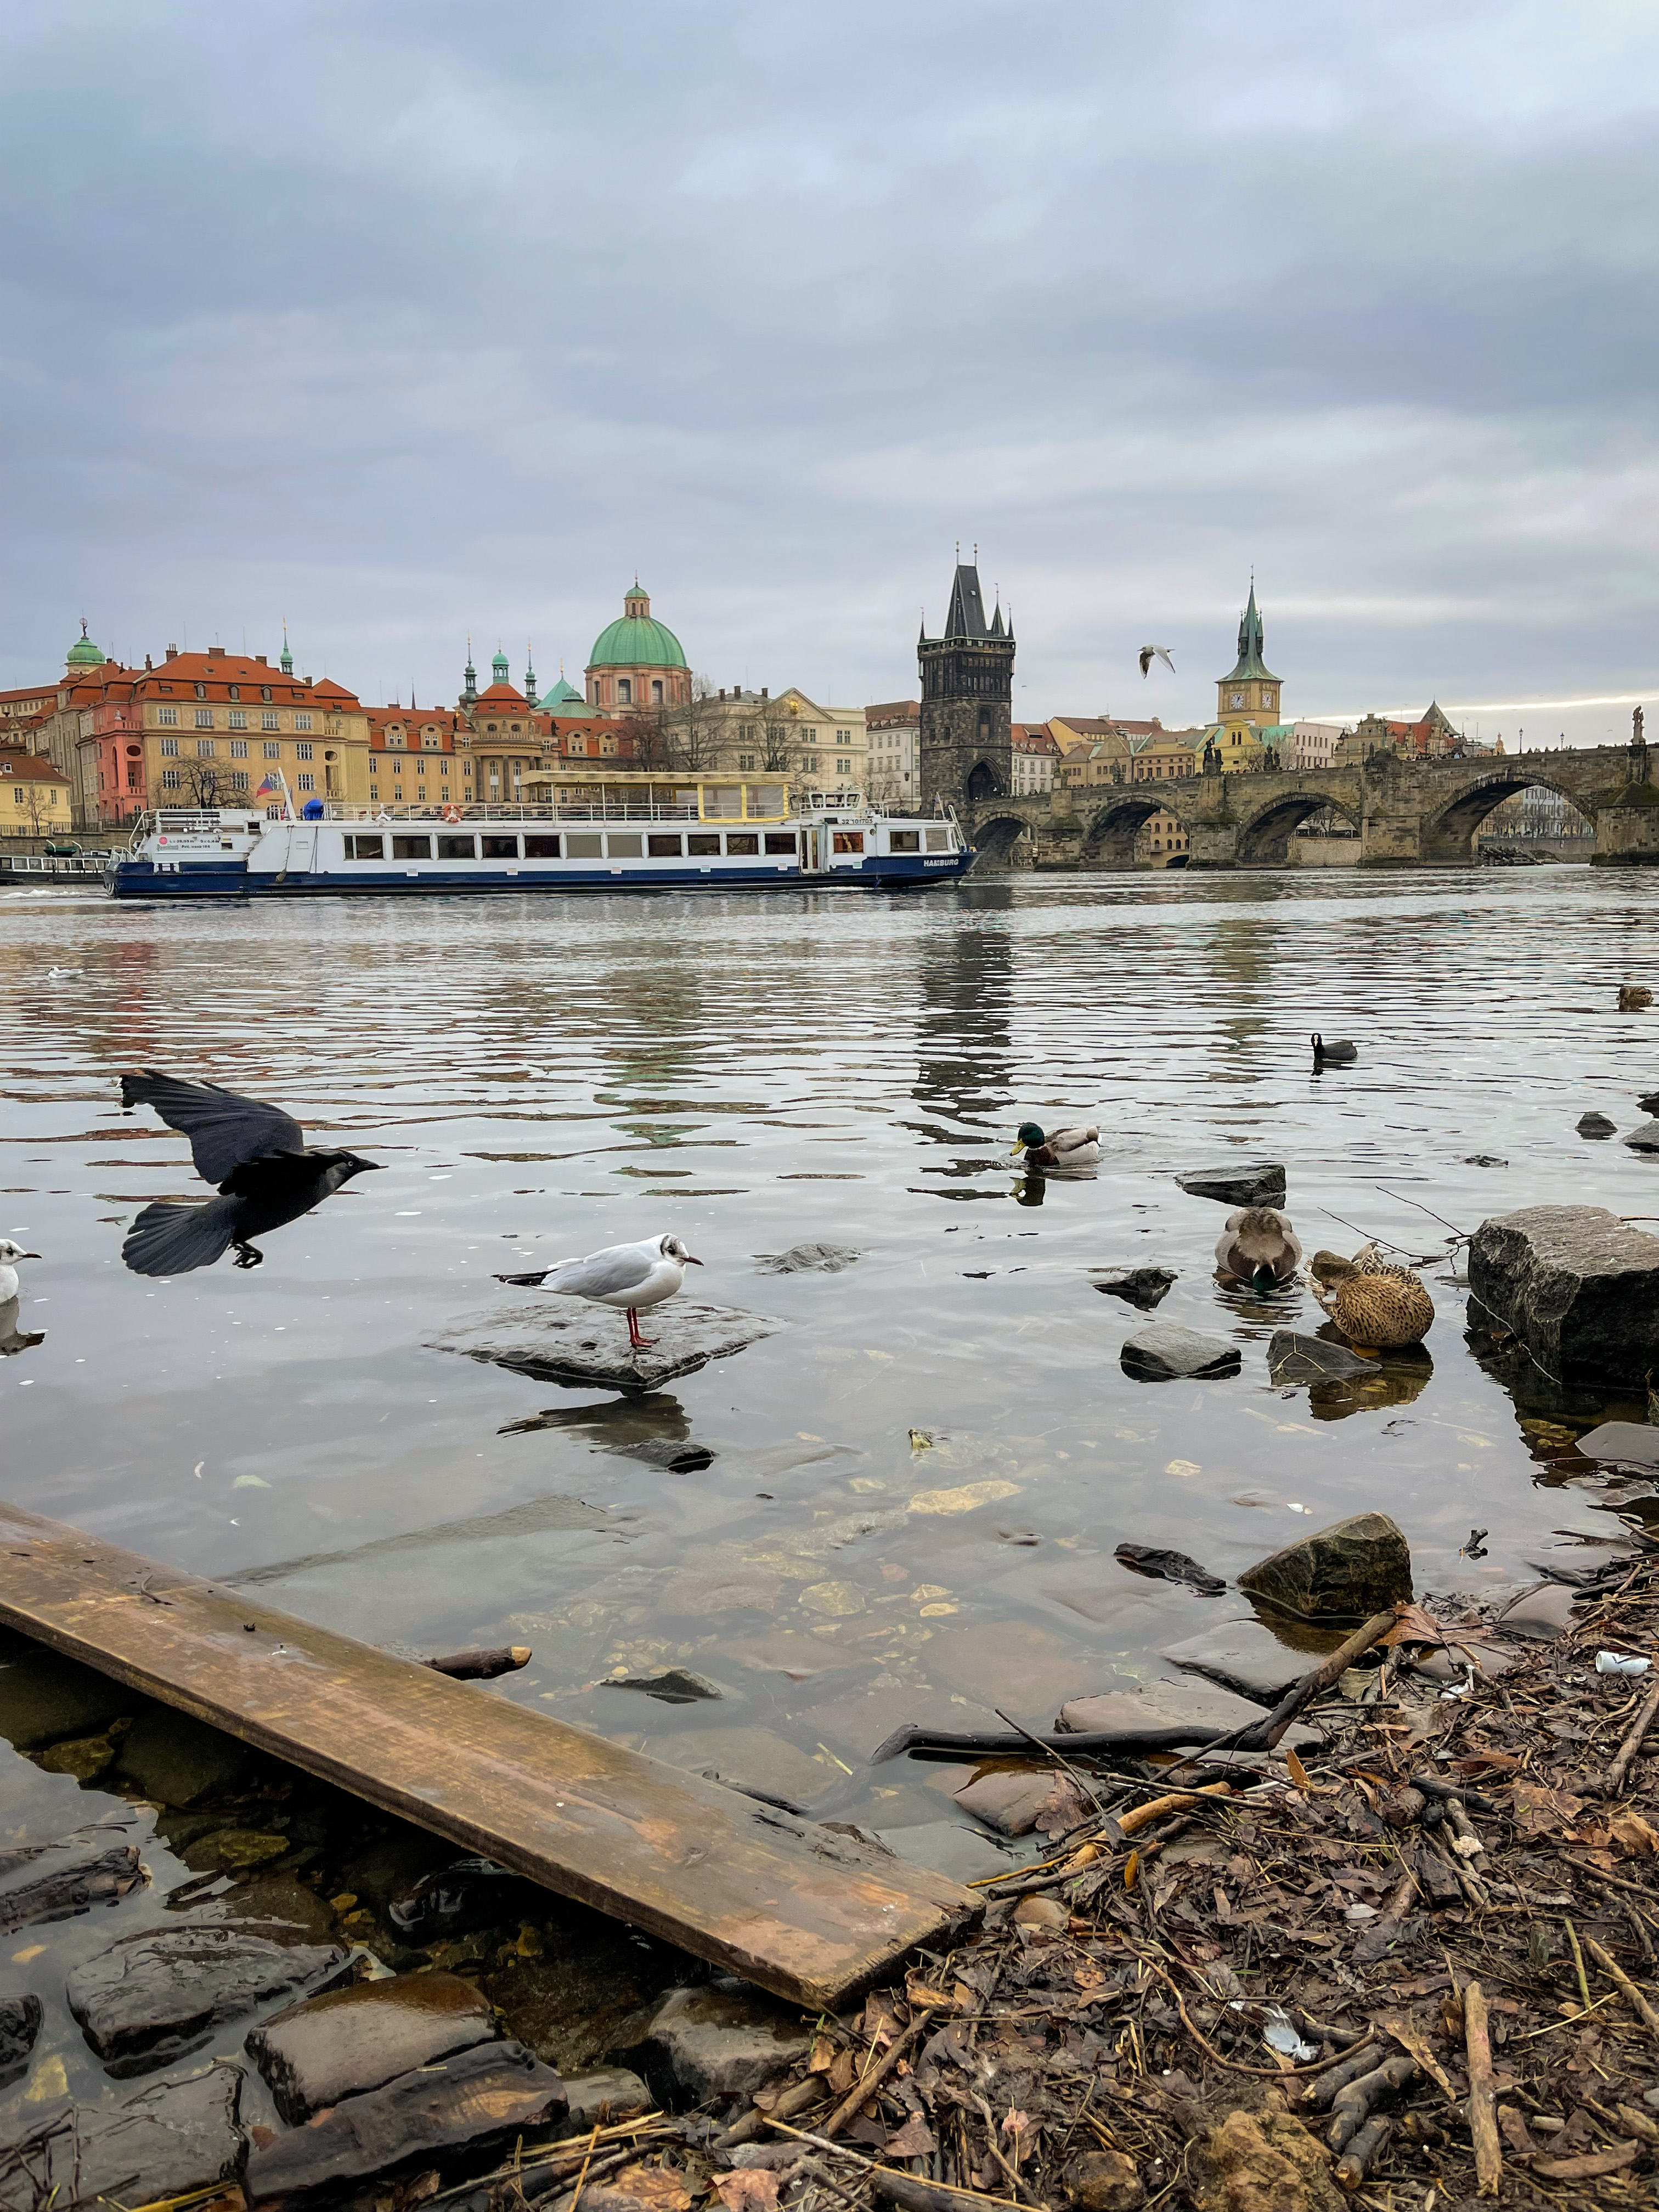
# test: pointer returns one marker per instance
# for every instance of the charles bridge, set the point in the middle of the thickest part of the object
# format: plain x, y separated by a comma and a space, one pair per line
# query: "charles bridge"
1405, 812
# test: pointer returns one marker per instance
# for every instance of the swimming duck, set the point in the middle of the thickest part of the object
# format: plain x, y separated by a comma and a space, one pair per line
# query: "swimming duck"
1338, 1053
1632, 997
1379, 1305
1260, 1247
1060, 1148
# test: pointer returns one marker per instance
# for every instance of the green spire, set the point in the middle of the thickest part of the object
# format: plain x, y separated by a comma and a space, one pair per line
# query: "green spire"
498, 665
286, 664
84, 653
1250, 662
529, 675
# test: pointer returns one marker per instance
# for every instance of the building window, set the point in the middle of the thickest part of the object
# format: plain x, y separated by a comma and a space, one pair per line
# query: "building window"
843, 737
302, 722
302, 752
170, 746
268, 721
204, 718
168, 716
395, 737
843, 768
169, 779
235, 691
625, 689
237, 719
264, 691
306, 782
745, 761
239, 749
204, 748
239, 779
656, 692
271, 751
200, 691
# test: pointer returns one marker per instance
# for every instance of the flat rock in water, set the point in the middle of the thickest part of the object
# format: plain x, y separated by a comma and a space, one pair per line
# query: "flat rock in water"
1172, 1705
172, 2138
49, 1881
568, 1340
1578, 1286
1349, 1570
20, 2023
1242, 1657
807, 1259
147, 1997
723, 2043
1009, 1802
1259, 1182
1631, 1442
1145, 1287
1645, 1138
1542, 1612
1293, 1357
1164, 1352
1596, 1125
476, 2104
361, 2037
959, 1848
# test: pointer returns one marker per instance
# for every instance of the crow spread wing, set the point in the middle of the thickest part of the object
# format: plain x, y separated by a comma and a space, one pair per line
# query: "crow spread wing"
225, 1130
168, 1239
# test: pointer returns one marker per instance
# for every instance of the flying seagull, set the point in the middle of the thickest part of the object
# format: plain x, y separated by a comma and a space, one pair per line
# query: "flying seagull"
256, 1153
1162, 652
630, 1276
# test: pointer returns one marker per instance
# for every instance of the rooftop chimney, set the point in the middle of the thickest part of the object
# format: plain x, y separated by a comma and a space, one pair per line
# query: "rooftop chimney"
173, 652
763, 692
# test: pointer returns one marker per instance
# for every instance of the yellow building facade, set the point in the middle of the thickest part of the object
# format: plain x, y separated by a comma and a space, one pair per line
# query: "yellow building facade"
1246, 698
215, 726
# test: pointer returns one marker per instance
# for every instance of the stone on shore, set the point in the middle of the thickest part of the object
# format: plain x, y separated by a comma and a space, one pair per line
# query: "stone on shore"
457, 2115
568, 1340
172, 2138
721, 2043
96, 1865
1164, 1352
1578, 1286
1158, 1704
609, 2093
363, 2037
149, 1997
1243, 1656
1009, 1802
1349, 1570
1145, 1287
1293, 1357
1259, 1182
20, 2023
1644, 1138
1630, 1442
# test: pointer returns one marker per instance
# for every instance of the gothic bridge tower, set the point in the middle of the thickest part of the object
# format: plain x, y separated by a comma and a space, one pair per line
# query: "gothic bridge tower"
967, 694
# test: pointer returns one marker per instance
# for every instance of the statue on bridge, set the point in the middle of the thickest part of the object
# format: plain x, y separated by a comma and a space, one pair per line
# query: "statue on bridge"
1212, 758
1638, 748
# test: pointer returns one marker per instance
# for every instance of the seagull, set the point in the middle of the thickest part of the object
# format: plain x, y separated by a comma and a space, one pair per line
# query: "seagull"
10, 1254
1162, 652
626, 1275
256, 1153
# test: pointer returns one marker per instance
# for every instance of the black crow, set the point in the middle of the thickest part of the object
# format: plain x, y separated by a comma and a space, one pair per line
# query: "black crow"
257, 1156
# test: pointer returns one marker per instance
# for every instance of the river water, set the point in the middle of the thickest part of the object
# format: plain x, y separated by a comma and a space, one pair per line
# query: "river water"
542, 1078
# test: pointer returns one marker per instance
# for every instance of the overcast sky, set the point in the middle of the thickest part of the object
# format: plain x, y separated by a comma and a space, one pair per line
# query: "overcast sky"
400, 318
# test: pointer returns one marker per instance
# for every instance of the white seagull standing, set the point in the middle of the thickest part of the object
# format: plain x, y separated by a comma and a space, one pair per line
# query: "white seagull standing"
626, 1275
9, 1255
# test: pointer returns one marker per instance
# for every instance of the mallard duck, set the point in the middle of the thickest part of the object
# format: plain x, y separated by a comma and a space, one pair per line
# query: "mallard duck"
1379, 1305
1336, 1053
1260, 1247
1632, 997
1330, 1267
1060, 1148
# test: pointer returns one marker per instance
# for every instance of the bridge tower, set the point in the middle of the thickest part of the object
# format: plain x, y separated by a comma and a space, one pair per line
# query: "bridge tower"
967, 697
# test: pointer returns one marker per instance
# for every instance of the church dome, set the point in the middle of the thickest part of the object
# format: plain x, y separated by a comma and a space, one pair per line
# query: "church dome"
84, 653
563, 695
636, 639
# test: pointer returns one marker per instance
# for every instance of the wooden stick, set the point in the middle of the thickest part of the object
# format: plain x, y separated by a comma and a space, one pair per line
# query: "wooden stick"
1483, 2108
1610, 1965
861, 2091
1632, 1742
844, 2150
1141, 1816
481, 1666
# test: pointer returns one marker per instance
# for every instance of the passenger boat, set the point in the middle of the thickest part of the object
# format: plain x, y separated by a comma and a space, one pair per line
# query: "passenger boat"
631, 832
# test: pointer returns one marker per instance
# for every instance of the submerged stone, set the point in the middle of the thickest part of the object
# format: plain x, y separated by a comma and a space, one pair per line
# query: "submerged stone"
460, 2113
808, 1259
147, 1997
20, 2023
170, 2139
1261, 1182
1354, 1568
1577, 1286
46, 1699
1145, 1287
96, 1865
674, 1685
1160, 1704
1293, 1357
1164, 1352
1243, 1656
566, 1339
352, 2039
180, 1761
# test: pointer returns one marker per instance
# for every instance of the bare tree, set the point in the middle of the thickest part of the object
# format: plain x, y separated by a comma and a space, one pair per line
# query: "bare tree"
695, 731
645, 738
208, 784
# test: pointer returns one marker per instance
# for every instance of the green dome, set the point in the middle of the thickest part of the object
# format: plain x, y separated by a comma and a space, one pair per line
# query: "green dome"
84, 653
636, 640
563, 695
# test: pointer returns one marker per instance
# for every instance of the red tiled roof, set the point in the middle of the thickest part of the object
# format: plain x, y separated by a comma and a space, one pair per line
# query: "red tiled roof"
896, 710
29, 768
501, 698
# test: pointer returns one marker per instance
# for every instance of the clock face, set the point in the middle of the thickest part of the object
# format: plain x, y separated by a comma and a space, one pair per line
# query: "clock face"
1237, 699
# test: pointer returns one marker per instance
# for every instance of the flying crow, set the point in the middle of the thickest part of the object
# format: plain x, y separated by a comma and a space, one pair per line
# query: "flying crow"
257, 1156
1163, 654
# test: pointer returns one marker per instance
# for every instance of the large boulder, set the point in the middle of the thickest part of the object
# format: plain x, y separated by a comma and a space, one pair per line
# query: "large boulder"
1578, 1286
361, 2037
1354, 1568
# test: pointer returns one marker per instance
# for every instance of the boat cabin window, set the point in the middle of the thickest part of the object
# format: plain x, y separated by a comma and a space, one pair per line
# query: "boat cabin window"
365, 848
584, 845
705, 844
411, 848
939, 840
664, 848
541, 848
781, 841
743, 841
904, 841
627, 848
457, 848
500, 848
849, 840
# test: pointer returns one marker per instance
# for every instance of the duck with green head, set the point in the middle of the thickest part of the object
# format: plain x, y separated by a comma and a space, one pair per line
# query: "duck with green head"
1059, 1148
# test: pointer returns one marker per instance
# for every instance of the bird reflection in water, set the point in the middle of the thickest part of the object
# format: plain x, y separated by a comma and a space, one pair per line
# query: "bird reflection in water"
257, 1156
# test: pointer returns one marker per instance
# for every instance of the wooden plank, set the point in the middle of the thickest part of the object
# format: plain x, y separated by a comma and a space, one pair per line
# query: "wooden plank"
811, 1916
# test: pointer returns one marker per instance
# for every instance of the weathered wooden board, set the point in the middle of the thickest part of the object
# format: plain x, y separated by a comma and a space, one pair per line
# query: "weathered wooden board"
809, 1915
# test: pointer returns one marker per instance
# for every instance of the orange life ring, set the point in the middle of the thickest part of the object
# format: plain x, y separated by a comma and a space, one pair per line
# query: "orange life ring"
452, 814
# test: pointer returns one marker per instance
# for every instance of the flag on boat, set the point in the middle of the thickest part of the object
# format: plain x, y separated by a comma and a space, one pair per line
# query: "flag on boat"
270, 788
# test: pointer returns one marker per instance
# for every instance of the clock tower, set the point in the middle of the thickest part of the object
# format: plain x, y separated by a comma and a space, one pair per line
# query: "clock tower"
1246, 698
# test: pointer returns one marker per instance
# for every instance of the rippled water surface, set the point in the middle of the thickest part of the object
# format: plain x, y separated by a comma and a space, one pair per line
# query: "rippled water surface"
542, 1078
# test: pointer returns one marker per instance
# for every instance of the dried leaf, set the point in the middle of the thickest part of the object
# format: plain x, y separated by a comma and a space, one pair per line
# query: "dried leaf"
750, 2188
1064, 1809
655, 2188
914, 2140
1411, 2040
1413, 1626
824, 2049
1298, 1771
1591, 2167
1632, 1837
1132, 1870
843, 2072
1540, 1811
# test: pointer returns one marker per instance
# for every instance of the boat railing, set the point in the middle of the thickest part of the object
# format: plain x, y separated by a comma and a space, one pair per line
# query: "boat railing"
51, 864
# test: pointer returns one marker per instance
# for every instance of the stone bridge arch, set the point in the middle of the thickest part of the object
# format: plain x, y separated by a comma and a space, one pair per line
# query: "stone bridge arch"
995, 832
1265, 834
1114, 818
1448, 831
